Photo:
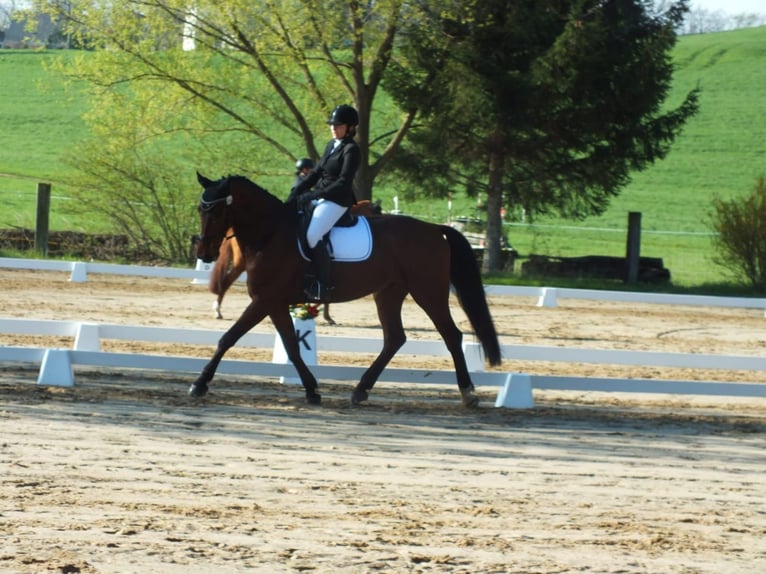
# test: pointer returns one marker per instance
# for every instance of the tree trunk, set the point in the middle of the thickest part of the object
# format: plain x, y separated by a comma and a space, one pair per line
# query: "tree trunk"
365, 174
363, 182
493, 254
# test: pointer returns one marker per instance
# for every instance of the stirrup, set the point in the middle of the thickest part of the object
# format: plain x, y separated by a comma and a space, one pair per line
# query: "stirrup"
317, 292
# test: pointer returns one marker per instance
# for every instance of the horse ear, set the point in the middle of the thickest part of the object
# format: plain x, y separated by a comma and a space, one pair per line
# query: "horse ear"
203, 181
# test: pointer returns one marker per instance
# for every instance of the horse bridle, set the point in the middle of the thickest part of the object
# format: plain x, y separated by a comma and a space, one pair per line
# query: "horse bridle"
205, 205
208, 206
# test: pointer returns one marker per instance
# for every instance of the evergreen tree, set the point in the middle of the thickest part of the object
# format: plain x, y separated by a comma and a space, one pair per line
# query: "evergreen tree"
547, 106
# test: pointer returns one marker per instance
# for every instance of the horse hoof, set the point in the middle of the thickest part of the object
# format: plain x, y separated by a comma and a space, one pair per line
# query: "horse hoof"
315, 399
470, 400
358, 397
198, 390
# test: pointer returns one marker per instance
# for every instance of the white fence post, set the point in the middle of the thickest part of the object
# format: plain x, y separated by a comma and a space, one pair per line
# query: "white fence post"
204, 267
516, 393
548, 298
56, 369
79, 272
474, 357
87, 338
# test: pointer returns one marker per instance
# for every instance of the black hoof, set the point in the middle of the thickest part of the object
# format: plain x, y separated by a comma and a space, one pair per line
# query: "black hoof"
470, 399
198, 390
358, 397
315, 399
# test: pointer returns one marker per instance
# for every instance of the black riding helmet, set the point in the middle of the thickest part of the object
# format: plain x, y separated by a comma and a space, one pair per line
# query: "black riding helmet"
344, 114
304, 163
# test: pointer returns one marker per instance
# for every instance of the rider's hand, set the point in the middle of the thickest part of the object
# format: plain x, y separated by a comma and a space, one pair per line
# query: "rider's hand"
303, 201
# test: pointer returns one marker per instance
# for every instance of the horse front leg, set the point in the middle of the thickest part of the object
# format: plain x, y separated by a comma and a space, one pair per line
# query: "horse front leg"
250, 317
284, 325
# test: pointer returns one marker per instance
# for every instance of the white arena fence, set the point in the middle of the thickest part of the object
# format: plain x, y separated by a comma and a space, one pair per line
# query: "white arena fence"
546, 296
515, 388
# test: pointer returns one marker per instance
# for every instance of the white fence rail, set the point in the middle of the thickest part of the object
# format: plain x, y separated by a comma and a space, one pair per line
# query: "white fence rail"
546, 296
79, 269
88, 337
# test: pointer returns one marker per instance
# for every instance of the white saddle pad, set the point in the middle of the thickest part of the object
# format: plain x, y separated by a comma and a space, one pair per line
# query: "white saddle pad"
349, 243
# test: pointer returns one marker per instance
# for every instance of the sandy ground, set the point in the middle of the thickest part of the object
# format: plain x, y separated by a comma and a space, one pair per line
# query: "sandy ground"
123, 473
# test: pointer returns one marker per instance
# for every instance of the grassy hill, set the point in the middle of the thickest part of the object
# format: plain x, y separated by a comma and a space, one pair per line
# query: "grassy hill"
720, 153
40, 120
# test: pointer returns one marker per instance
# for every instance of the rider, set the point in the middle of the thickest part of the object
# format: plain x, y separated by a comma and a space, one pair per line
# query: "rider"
303, 167
329, 187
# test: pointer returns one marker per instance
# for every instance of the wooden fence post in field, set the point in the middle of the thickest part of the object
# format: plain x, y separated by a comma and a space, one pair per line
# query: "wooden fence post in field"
633, 253
41, 223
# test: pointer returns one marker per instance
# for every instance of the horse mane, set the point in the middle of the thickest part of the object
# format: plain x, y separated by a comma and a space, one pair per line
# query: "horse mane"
254, 186
218, 191
220, 188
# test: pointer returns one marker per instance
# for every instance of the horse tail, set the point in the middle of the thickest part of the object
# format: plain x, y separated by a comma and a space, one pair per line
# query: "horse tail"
466, 279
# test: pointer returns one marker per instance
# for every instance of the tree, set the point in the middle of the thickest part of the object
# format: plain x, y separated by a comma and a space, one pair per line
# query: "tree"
740, 226
264, 73
557, 102
701, 21
7, 10
225, 85
127, 174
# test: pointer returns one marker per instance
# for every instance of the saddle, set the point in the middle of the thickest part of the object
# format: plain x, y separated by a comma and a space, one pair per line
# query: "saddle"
349, 239
348, 219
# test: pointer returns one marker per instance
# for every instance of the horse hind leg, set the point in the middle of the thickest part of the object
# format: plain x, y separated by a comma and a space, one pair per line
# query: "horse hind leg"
224, 285
326, 315
217, 307
438, 311
228, 267
389, 305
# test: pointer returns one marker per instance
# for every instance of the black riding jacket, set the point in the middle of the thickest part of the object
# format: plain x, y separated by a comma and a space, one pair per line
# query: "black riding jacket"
333, 178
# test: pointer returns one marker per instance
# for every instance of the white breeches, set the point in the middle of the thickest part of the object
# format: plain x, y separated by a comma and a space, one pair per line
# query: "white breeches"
326, 213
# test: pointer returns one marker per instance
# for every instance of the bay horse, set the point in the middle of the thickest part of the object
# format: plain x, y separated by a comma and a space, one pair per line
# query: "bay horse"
230, 263
408, 257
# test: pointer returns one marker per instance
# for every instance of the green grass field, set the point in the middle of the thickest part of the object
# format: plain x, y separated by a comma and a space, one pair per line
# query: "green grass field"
721, 152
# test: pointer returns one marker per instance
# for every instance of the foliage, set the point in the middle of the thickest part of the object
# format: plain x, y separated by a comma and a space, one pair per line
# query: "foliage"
741, 241
143, 197
305, 311
260, 79
720, 152
557, 103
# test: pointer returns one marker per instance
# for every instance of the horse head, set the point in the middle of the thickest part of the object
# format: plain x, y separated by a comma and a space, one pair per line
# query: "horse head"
235, 202
215, 216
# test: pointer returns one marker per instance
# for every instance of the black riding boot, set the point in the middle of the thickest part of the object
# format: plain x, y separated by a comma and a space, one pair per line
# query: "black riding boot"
321, 288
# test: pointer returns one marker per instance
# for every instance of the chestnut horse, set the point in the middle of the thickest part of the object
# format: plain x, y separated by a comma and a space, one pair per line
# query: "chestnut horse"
408, 257
231, 264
